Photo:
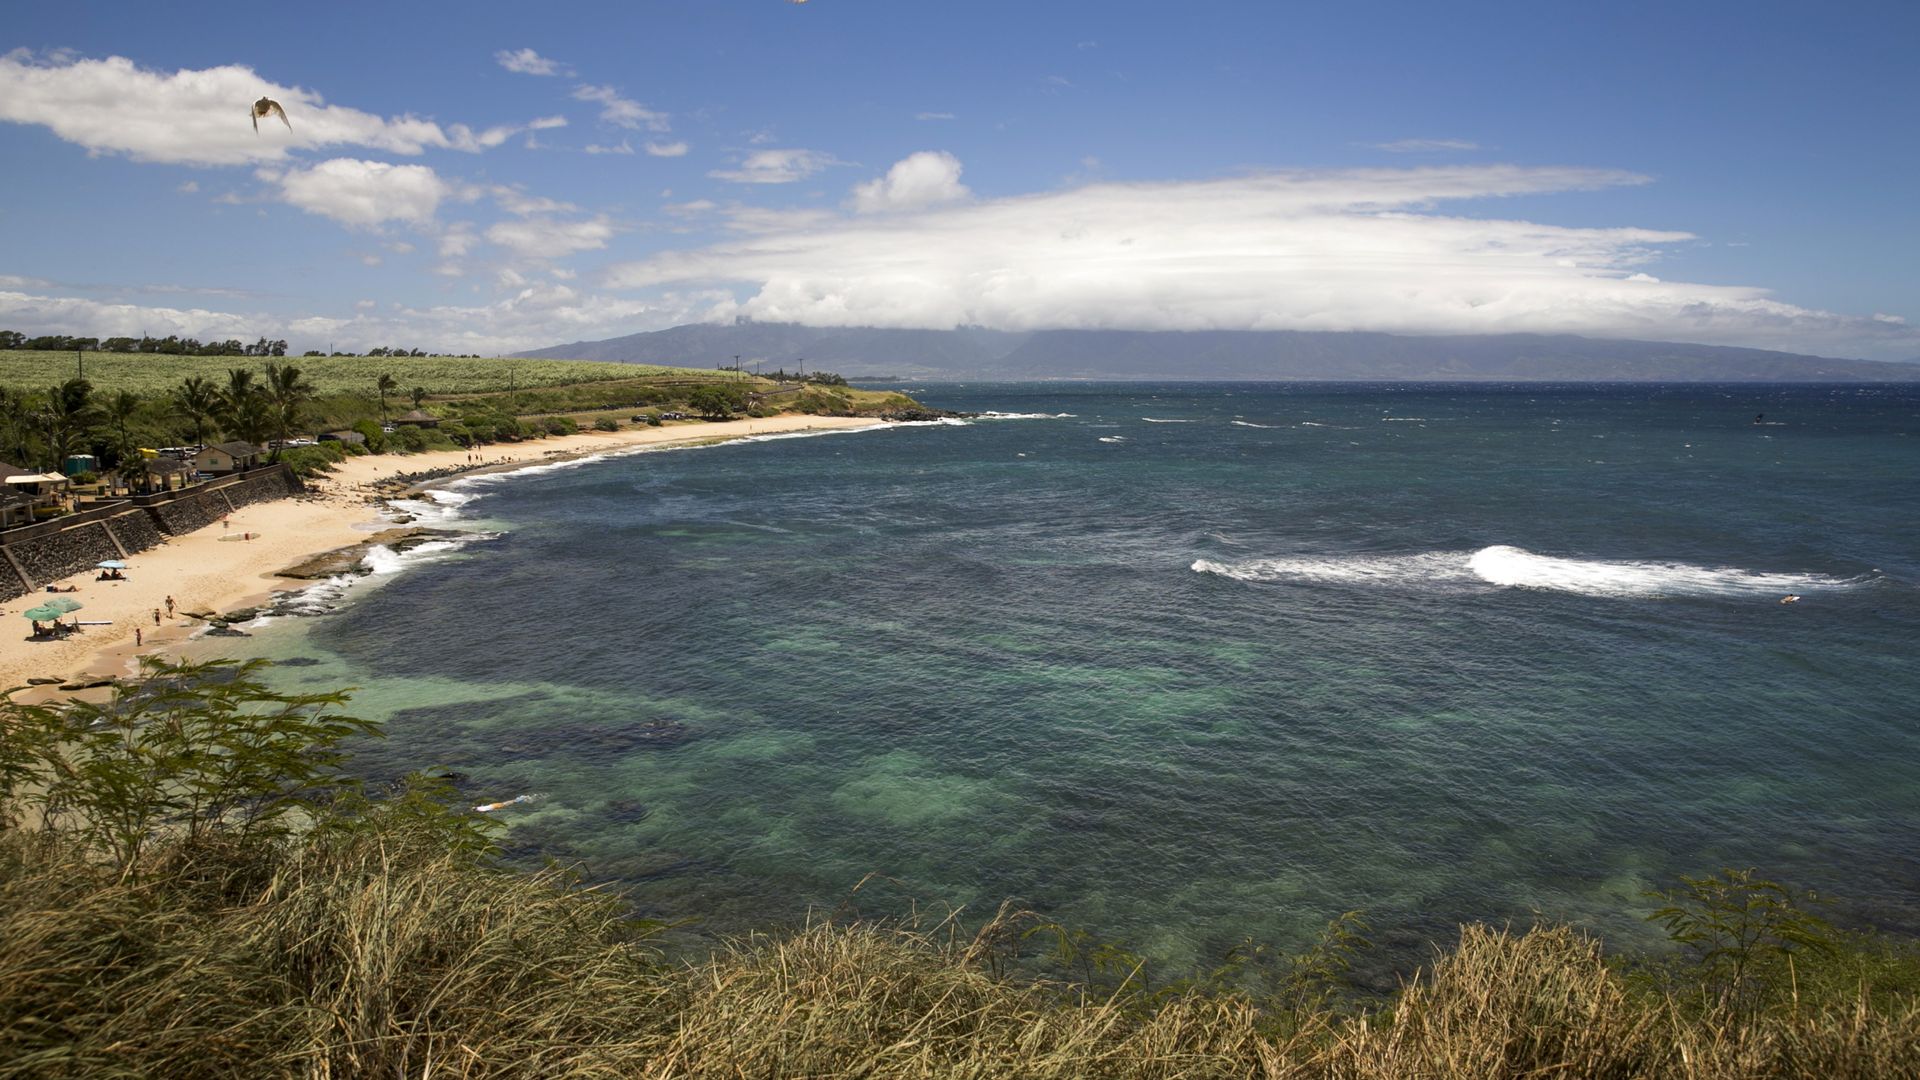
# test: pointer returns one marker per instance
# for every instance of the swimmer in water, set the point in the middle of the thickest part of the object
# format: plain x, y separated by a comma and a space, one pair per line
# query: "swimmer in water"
1790, 598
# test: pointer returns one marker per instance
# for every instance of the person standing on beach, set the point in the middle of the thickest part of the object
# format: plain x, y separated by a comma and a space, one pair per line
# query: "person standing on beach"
136, 637
156, 616
169, 607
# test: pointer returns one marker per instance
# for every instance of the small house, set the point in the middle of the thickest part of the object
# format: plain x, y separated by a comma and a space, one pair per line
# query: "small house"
164, 474
416, 418
46, 490
227, 457
351, 438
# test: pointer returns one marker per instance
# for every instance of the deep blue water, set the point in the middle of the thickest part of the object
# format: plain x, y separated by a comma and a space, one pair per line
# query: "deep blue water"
1194, 663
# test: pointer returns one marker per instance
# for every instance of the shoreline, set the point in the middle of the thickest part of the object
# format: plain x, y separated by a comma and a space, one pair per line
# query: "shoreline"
213, 570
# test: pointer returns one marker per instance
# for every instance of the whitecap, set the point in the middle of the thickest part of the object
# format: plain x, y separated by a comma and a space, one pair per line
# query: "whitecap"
1113, 438
1507, 567
1026, 416
1156, 420
1249, 423
1514, 567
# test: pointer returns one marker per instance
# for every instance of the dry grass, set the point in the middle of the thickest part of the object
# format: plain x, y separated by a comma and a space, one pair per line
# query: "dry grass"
381, 952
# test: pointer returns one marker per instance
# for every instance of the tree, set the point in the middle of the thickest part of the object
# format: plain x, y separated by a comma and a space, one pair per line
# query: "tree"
419, 395
118, 415
67, 415
244, 409
715, 402
196, 401
288, 393
385, 385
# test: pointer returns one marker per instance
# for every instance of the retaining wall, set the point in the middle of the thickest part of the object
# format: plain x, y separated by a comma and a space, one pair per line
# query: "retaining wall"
33, 555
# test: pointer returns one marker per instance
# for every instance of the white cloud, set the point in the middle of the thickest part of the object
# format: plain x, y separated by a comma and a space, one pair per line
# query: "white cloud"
1356, 250
621, 111
456, 240
624, 147
543, 123
188, 187
777, 166
17, 281
672, 149
933, 116
927, 178
515, 201
544, 238
534, 316
1425, 146
200, 116
370, 260
690, 209
364, 194
528, 62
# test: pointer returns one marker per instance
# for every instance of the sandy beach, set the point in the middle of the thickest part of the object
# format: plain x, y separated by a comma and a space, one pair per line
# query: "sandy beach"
210, 570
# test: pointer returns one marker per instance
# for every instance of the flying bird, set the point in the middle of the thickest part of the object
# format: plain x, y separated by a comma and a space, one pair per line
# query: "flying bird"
268, 107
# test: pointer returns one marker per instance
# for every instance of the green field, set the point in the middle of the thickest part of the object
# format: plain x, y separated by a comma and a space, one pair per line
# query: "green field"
157, 373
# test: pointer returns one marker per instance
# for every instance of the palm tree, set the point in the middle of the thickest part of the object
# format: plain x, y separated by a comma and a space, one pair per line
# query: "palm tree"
287, 393
68, 414
419, 395
118, 416
243, 408
196, 400
386, 384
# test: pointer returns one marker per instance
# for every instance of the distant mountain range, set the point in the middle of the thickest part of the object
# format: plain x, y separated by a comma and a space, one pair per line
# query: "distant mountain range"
974, 353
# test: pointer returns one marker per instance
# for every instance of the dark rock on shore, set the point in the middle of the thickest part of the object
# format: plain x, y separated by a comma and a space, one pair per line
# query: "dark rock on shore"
922, 415
347, 560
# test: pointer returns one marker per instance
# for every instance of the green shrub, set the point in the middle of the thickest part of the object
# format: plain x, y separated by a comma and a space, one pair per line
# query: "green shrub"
606, 423
376, 439
313, 460
408, 439
558, 425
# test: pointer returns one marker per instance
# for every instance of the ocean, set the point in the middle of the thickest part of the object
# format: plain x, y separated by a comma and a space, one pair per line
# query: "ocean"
1184, 665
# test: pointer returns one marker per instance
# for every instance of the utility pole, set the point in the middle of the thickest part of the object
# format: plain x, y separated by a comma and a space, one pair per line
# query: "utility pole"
803, 369
736, 363
80, 361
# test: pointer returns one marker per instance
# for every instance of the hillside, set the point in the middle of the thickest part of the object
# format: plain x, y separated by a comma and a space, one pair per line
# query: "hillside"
1124, 354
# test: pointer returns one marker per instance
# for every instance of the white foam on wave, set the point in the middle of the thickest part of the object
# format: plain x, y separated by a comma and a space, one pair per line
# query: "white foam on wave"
1507, 567
1026, 416
1514, 567
1157, 420
1378, 569
1113, 438
1249, 423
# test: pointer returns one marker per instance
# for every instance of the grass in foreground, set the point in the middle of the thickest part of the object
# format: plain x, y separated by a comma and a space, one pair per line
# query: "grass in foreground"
281, 923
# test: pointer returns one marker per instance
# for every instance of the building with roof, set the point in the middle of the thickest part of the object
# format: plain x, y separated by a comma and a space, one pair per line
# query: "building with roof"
227, 457
416, 418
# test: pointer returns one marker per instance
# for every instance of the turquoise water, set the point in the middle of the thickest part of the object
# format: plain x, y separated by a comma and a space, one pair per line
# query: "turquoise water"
1187, 664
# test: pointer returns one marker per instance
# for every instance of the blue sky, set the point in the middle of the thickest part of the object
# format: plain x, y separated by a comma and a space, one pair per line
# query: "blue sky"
495, 177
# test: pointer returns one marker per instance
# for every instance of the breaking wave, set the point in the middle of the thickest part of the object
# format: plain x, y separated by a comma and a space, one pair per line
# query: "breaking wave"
1503, 566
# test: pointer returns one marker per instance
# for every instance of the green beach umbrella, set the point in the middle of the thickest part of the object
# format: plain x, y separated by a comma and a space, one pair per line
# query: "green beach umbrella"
64, 604
45, 613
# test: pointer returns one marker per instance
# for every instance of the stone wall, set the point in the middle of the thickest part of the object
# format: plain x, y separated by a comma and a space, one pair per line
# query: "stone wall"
56, 549
277, 484
69, 551
137, 530
183, 516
